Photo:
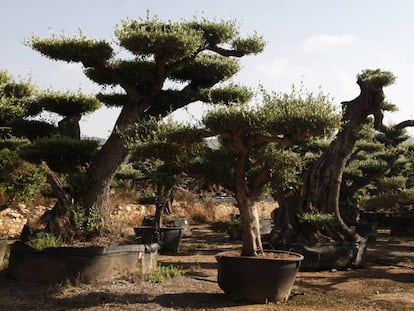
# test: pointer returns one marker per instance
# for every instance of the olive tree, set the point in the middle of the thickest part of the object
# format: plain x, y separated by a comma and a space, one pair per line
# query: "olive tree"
34, 147
320, 189
254, 150
195, 54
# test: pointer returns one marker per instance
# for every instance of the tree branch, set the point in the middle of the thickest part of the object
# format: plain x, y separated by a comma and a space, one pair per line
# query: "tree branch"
227, 53
404, 124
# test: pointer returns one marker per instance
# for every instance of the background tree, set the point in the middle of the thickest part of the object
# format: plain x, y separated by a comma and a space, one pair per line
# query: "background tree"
377, 172
197, 54
254, 148
320, 190
27, 137
19, 180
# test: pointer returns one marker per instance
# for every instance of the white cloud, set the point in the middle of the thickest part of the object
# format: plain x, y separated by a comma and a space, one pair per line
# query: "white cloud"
275, 68
282, 68
324, 43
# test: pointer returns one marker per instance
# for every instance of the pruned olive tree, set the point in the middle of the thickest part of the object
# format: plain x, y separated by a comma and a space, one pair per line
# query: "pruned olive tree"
196, 54
377, 175
54, 144
255, 148
319, 192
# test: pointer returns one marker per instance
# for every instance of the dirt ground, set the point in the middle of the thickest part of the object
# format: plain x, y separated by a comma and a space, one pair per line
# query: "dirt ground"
386, 283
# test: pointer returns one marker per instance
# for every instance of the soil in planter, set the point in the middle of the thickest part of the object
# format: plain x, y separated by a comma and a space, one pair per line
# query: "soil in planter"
269, 254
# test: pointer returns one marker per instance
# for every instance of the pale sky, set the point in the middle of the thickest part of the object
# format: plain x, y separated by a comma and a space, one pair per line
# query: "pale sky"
322, 43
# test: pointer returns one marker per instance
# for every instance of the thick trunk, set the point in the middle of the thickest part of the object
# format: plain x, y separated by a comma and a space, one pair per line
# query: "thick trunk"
249, 218
250, 228
113, 153
100, 174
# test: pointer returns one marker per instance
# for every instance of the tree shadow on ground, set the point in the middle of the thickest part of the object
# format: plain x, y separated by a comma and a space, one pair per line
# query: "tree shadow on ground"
99, 298
196, 301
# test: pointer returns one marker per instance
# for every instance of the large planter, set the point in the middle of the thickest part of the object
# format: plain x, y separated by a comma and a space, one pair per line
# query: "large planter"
383, 220
368, 230
258, 279
85, 264
234, 232
168, 237
330, 255
175, 221
402, 226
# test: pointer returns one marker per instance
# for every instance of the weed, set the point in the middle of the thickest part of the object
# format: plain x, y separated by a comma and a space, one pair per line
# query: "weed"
163, 273
195, 268
196, 246
86, 223
225, 225
44, 240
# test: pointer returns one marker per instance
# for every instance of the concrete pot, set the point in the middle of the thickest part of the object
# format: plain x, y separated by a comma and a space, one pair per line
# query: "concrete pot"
85, 264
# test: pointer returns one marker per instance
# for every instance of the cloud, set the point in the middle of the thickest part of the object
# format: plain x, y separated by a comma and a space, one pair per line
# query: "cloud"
281, 68
275, 68
324, 43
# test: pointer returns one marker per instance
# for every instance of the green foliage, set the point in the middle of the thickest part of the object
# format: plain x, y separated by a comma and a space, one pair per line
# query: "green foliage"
141, 73
80, 48
67, 104
33, 129
316, 219
163, 273
169, 41
19, 180
230, 94
13, 98
296, 115
197, 247
378, 171
62, 154
44, 240
394, 201
226, 225
253, 44
376, 78
86, 222
147, 197
206, 70
127, 176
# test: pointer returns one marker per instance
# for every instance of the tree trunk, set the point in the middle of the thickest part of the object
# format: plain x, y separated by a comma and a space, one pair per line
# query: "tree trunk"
113, 153
250, 229
100, 175
249, 218
58, 219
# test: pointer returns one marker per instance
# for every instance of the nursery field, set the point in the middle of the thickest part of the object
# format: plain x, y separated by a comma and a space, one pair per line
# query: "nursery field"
386, 283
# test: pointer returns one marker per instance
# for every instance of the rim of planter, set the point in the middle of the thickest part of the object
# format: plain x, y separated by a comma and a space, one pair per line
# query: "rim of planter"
162, 228
93, 250
297, 256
